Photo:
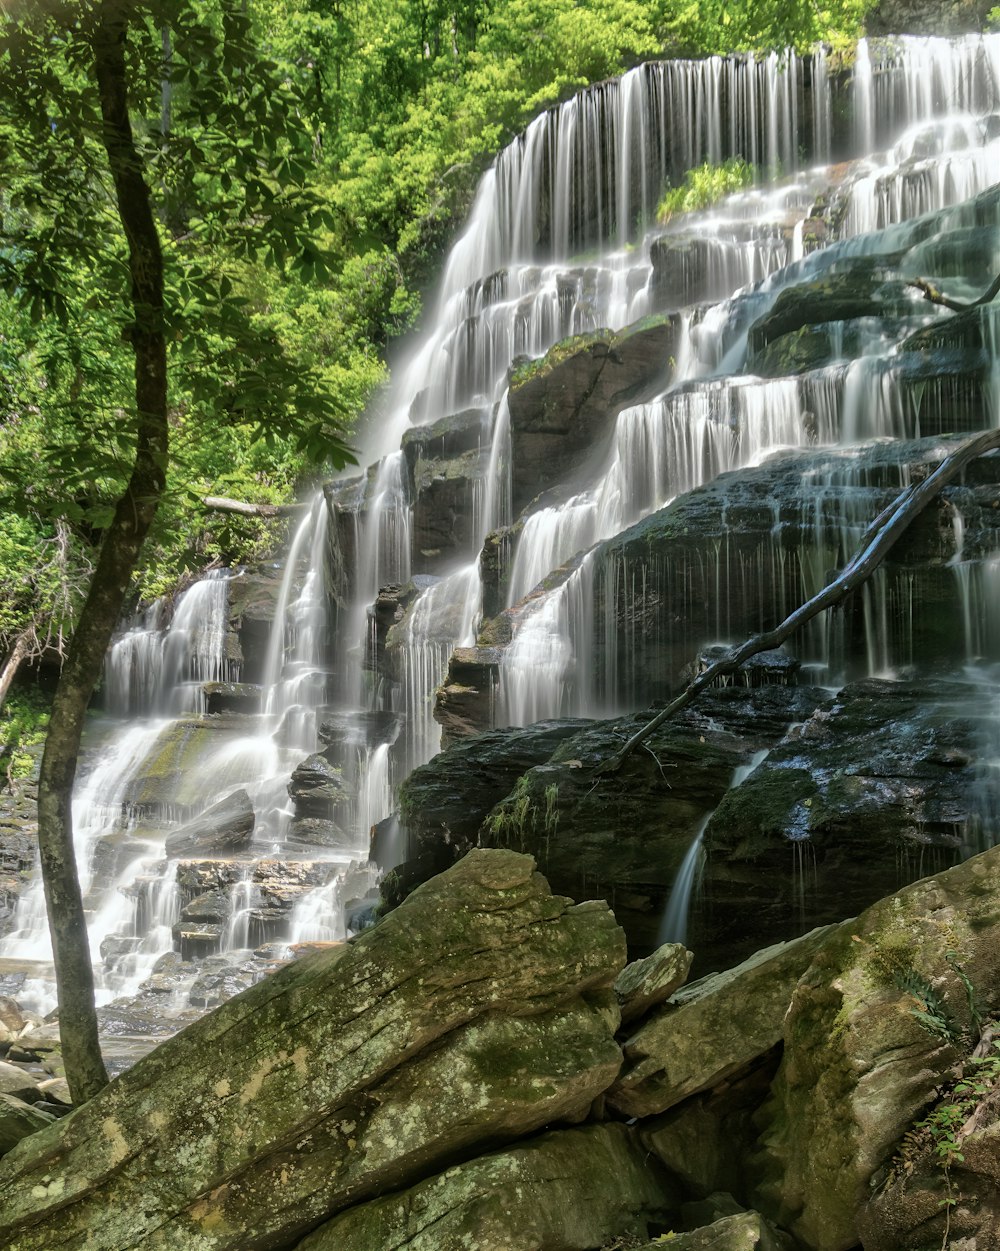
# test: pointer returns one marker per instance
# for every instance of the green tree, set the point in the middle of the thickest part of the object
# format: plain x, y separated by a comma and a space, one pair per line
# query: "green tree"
147, 148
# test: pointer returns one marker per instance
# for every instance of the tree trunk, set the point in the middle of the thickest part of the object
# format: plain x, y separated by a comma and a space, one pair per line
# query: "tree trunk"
875, 545
223, 504
15, 658
123, 541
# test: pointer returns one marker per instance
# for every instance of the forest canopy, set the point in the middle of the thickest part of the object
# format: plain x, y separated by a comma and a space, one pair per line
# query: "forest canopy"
396, 108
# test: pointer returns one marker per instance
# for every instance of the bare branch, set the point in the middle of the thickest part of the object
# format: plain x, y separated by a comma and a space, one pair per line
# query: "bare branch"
932, 294
880, 537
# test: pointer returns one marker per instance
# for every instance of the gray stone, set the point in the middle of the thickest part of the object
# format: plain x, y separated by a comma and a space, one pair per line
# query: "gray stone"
571, 1190
873, 1029
225, 828
479, 1011
17, 1120
714, 1029
646, 983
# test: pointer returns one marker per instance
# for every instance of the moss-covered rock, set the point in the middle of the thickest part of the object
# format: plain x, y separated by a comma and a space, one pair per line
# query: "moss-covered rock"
873, 1028
570, 1190
713, 1030
563, 406
18, 1120
478, 1011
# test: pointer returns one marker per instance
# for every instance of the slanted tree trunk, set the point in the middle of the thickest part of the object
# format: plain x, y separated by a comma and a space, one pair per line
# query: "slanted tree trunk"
878, 539
120, 549
15, 658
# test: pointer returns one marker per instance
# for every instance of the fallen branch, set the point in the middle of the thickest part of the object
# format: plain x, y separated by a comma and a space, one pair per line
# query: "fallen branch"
932, 294
878, 539
221, 504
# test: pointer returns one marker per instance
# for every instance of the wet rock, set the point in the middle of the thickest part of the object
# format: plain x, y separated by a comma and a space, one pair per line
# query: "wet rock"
463, 703
316, 787
626, 838
226, 827
115, 946
713, 1030
861, 287
691, 268
874, 1027
217, 986
196, 939
736, 556
570, 1190
841, 811
443, 803
478, 1012
168, 785
644, 984
444, 513
445, 439
213, 906
253, 600
318, 832
243, 697
388, 610
18, 1120
562, 407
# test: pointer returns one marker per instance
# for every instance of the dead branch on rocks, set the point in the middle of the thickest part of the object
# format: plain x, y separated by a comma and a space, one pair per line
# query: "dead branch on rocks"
878, 539
932, 294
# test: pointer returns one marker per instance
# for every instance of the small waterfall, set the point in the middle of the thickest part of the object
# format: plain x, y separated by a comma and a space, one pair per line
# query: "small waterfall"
674, 926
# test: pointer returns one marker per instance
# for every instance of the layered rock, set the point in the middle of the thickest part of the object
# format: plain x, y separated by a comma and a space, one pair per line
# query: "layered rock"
573, 1189
225, 828
482, 992
562, 407
873, 1028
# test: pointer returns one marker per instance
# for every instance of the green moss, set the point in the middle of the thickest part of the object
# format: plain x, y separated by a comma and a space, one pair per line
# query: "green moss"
704, 186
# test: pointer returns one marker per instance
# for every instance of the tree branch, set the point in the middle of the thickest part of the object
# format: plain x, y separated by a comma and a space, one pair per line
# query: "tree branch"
932, 294
880, 537
222, 504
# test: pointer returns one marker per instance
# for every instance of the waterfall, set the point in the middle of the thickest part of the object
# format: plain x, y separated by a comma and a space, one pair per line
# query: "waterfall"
562, 240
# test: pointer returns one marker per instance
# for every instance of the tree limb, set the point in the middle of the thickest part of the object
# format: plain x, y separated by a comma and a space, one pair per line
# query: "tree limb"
932, 294
222, 504
880, 537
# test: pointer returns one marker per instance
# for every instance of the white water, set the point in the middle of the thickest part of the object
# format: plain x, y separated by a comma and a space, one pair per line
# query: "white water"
560, 241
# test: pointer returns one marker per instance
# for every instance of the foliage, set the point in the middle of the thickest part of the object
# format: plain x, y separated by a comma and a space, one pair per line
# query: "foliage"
704, 186
303, 208
24, 719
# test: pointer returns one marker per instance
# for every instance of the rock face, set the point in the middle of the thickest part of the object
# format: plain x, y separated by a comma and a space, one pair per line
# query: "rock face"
477, 1012
714, 1029
225, 828
872, 1030
623, 839
444, 803
562, 407
575, 1189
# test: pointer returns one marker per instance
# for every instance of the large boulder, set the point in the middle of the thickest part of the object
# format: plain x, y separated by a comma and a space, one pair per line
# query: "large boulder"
713, 1030
886, 1008
19, 1120
563, 406
481, 1010
570, 1190
224, 829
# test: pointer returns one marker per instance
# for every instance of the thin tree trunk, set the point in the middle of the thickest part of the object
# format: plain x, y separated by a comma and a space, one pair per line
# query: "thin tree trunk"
123, 541
878, 539
15, 658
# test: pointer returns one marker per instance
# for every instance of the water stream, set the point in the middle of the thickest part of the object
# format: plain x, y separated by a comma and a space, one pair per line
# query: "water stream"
561, 240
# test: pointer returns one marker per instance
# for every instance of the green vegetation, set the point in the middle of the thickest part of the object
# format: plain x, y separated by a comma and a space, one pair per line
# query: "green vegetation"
396, 110
704, 186
23, 722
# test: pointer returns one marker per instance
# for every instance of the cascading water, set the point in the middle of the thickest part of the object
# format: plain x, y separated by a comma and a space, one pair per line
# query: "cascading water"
561, 241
